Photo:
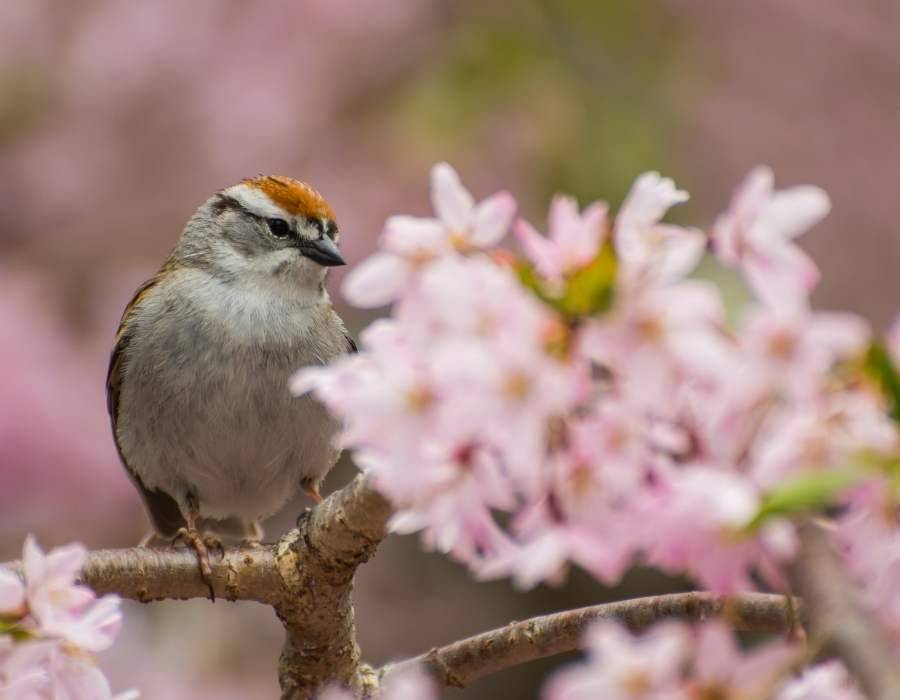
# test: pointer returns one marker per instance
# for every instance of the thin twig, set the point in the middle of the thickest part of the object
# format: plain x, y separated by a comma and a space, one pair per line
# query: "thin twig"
458, 664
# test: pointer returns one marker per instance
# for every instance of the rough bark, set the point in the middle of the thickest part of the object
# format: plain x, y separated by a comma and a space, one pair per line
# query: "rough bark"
307, 577
458, 664
316, 564
836, 619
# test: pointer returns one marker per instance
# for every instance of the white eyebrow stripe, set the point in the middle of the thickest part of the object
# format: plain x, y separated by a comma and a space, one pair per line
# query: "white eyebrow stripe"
256, 202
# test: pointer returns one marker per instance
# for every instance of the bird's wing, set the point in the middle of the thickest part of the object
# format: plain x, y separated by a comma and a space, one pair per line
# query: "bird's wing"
351, 344
163, 509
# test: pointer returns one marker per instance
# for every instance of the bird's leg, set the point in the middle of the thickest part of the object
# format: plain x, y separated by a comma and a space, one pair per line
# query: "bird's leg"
311, 489
213, 542
153, 539
253, 534
191, 536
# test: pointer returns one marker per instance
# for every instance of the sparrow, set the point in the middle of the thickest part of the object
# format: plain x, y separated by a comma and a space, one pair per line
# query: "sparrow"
197, 387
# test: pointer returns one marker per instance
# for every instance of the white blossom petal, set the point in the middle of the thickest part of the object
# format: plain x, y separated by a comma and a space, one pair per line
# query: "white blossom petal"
792, 212
377, 281
413, 235
452, 202
783, 279
650, 198
543, 252
493, 217
12, 593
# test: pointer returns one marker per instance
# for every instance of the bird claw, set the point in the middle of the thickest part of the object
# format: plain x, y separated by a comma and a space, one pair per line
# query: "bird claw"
191, 537
214, 543
312, 491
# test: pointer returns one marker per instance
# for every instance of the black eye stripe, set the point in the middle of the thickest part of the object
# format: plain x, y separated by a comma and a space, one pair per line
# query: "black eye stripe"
224, 203
324, 227
279, 228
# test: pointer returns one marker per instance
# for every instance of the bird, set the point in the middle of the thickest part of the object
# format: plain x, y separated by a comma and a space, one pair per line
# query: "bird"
197, 385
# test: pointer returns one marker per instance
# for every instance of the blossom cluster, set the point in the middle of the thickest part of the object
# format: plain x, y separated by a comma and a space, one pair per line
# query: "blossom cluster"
672, 661
589, 398
49, 626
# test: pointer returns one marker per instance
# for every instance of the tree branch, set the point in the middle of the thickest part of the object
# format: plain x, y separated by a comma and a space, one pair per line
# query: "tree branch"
307, 576
145, 575
838, 620
316, 563
460, 663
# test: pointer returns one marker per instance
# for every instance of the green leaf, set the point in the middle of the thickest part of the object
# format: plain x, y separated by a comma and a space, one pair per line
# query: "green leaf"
11, 628
880, 366
590, 290
585, 292
806, 493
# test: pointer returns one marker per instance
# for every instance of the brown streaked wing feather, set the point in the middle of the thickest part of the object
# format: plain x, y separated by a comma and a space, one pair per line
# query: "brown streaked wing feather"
114, 372
163, 509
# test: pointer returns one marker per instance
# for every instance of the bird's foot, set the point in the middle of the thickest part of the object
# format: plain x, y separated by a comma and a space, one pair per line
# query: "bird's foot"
191, 537
312, 490
213, 543
253, 534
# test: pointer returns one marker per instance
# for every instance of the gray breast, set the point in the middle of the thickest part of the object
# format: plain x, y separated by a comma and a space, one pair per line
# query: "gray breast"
205, 404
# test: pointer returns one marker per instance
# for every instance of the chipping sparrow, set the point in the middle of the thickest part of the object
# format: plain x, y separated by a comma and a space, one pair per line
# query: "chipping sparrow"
198, 380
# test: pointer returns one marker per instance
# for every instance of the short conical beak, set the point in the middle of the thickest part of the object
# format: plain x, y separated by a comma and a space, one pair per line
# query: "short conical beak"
323, 251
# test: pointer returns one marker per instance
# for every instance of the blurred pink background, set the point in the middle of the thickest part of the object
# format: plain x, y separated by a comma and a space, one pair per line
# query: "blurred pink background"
117, 119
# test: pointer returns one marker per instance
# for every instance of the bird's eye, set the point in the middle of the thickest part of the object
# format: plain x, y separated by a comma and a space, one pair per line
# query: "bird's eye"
279, 228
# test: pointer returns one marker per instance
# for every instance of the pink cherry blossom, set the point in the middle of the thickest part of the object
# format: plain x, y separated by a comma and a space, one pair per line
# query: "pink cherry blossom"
756, 234
409, 243
653, 431
45, 669
386, 392
671, 661
409, 684
653, 339
74, 677
797, 347
549, 538
826, 681
12, 595
622, 666
454, 509
830, 432
590, 483
650, 252
93, 628
694, 522
468, 224
23, 671
469, 334
64, 622
870, 542
574, 239
722, 670
893, 341
50, 580
334, 692
62, 608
